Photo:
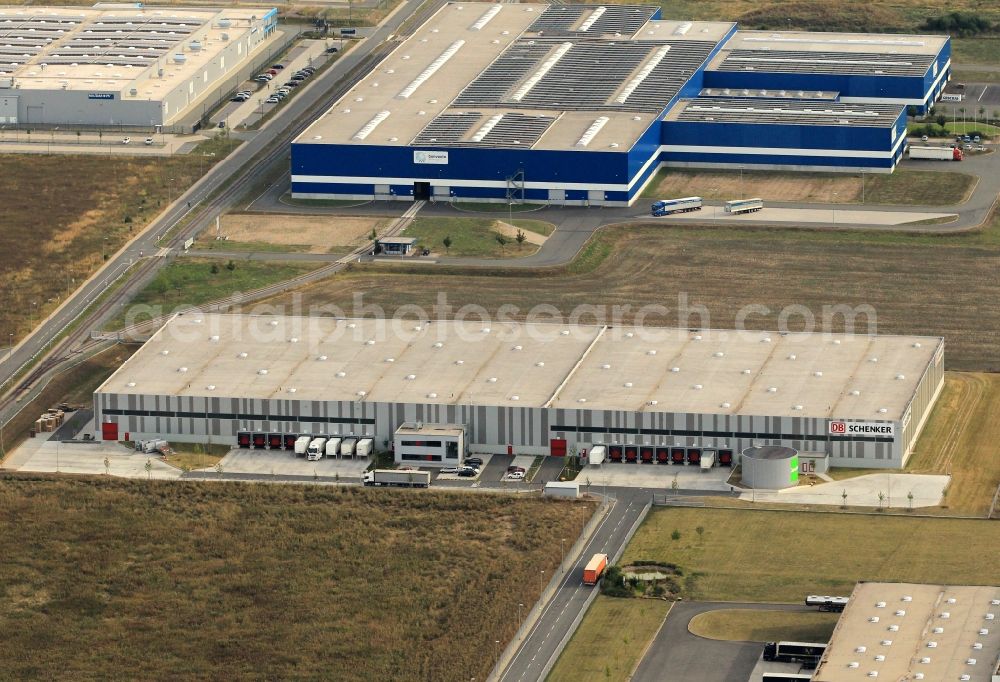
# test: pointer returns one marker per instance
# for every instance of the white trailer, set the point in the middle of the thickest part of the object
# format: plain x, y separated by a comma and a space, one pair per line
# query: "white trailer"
707, 460
333, 447
397, 478
347, 447
744, 205
302, 444
936, 153
596, 455
364, 447
668, 206
316, 449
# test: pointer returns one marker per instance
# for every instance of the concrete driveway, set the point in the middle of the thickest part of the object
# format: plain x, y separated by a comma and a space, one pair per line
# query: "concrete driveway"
863, 491
655, 476
284, 462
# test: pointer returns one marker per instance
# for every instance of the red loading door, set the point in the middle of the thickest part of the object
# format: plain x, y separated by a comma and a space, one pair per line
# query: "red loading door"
615, 453
647, 455
243, 439
677, 455
109, 431
631, 453
694, 456
725, 457
274, 441
557, 447
662, 455
290, 441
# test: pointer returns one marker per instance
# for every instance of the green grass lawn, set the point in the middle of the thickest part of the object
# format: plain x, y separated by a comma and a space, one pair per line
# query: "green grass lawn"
472, 237
922, 188
984, 50
190, 281
749, 625
956, 127
485, 207
774, 556
968, 76
610, 640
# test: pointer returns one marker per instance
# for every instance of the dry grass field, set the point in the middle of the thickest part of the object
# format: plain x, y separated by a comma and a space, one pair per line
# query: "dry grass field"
130, 579
61, 214
904, 187
916, 284
303, 233
749, 625
961, 439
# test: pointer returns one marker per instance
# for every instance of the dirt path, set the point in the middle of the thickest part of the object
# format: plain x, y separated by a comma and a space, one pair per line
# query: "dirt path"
311, 234
508, 230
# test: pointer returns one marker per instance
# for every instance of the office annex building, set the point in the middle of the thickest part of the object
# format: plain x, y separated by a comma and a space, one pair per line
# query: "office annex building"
529, 388
581, 104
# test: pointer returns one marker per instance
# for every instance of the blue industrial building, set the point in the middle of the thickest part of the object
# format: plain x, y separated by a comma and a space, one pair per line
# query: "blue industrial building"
582, 104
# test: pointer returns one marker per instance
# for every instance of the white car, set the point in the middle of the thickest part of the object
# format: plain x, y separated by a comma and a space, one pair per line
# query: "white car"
148, 142
126, 140
449, 470
515, 476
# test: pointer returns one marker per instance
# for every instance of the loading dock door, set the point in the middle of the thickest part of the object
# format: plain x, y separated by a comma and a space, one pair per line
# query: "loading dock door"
421, 191
109, 431
557, 447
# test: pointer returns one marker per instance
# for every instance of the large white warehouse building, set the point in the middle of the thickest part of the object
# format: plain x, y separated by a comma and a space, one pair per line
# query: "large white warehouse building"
528, 388
124, 65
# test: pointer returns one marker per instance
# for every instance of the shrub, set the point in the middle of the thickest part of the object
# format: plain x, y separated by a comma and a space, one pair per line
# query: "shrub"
959, 23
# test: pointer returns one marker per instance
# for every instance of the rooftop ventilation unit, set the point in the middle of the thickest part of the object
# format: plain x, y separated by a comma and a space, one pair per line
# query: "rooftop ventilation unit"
682, 29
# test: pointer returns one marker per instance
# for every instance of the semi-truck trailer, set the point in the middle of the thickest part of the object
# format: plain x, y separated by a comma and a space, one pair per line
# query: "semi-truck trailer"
937, 153
707, 460
316, 449
827, 603
597, 455
668, 206
364, 447
397, 478
302, 444
594, 569
333, 447
744, 205
347, 447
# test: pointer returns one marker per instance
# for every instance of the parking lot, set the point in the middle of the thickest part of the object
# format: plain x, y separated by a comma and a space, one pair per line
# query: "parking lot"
285, 463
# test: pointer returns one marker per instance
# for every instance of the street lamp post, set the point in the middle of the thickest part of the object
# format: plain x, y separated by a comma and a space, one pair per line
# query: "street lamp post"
541, 577
519, 607
562, 545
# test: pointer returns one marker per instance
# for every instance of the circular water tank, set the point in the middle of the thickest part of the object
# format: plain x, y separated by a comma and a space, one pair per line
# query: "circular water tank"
180, 58
771, 467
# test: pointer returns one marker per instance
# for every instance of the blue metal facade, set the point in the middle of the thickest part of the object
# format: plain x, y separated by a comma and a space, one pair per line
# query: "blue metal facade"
616, 178
754, 144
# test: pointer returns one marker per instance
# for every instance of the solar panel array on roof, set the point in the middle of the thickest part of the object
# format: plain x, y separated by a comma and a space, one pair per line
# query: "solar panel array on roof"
852, 63
505, 129
586, 75
771, 111
593, 20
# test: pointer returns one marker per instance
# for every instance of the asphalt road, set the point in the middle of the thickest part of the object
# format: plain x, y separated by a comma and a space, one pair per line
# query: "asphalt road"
542, 642
676, 655
141, 258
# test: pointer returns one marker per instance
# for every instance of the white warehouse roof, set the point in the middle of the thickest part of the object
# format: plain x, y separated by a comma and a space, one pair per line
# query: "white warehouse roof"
915, 632
531, 365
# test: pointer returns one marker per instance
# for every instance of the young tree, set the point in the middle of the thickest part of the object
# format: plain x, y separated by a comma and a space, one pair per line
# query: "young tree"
881, 499
231, 265
148, 466
214, 269
502, 241
107, 466
909, 499
447, 243
520, 238
843, 496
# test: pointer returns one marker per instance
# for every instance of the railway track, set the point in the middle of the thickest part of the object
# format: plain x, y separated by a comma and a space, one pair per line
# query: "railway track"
78, 342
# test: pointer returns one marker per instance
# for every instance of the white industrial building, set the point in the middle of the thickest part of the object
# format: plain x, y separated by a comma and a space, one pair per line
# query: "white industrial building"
124, 65
903, 631
533, 388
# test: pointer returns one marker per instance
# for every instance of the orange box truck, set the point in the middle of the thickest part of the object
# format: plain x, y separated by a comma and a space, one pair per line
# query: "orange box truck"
594, 569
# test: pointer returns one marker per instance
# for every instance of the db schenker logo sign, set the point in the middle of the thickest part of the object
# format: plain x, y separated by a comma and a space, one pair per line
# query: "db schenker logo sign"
840, 428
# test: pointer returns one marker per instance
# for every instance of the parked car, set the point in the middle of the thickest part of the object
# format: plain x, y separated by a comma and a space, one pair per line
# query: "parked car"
331, 50
474, 461
966, 138
126, 140
976, 139
292, 84
516, 476
468, 473
284, 89
239, 98
449, 470
308, 69
511, 469
272, 100
279, 67
273, 72
148, 142
923, 138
